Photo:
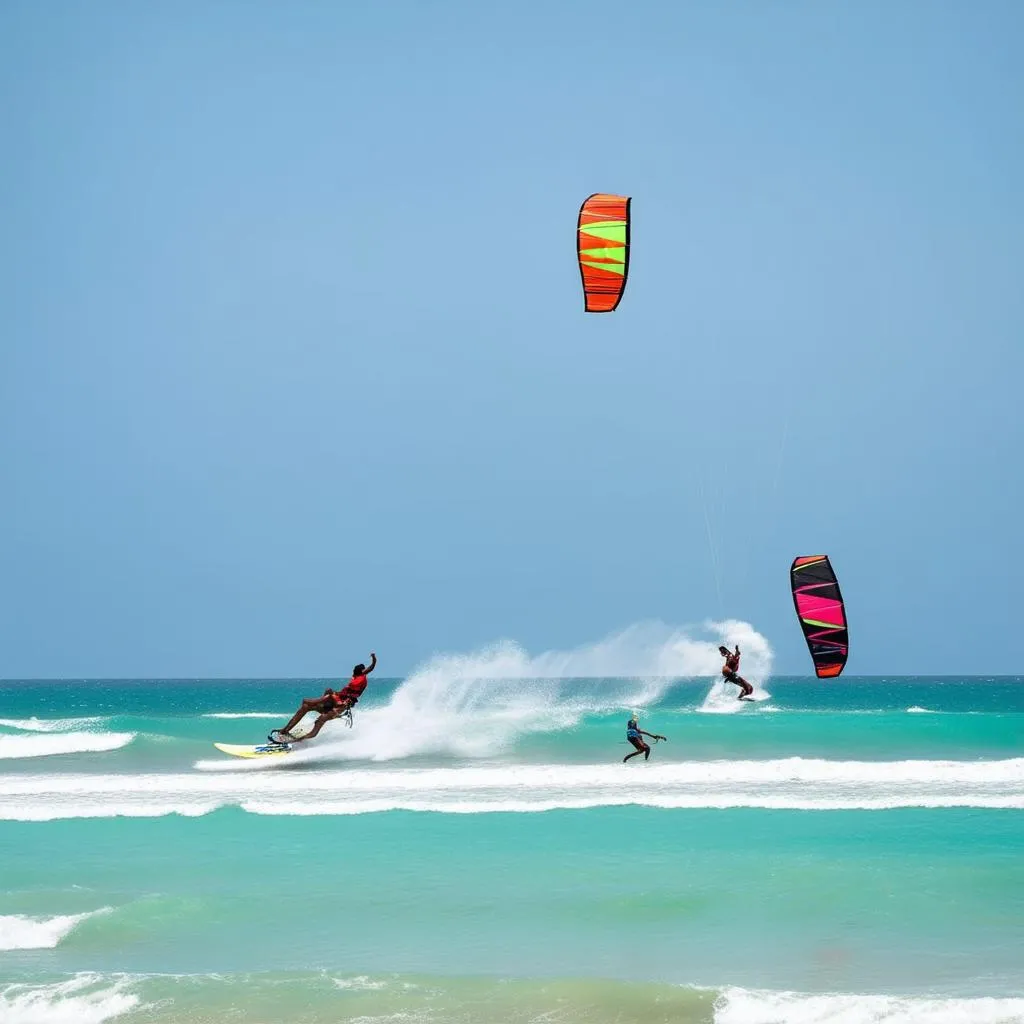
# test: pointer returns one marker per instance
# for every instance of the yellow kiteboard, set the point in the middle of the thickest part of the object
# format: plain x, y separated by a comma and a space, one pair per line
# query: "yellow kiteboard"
270, 748
260, 750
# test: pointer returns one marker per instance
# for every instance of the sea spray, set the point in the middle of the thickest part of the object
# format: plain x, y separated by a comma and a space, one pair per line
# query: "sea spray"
480, 704
755, 667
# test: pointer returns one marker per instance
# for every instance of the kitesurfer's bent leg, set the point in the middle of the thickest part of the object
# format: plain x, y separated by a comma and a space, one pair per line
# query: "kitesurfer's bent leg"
641, 748
334, 711
309, 704
745, 688
321, 721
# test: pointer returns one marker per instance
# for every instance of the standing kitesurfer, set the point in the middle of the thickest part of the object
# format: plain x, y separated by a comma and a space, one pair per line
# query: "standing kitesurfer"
634, 734
328, 707
729, 669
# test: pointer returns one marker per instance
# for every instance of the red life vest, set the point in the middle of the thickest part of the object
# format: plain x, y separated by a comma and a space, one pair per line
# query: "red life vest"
353, 691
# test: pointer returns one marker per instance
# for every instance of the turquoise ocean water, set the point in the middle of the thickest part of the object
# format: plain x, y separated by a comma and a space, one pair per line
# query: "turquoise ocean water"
475, 851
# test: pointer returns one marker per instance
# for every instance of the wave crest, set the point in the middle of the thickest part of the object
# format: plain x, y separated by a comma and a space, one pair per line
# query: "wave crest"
50, 744
19, 931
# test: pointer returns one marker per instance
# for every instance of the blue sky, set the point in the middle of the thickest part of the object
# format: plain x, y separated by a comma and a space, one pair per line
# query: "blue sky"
293, 361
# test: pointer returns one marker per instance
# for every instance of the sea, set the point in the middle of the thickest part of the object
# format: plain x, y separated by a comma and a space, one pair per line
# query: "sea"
474, 850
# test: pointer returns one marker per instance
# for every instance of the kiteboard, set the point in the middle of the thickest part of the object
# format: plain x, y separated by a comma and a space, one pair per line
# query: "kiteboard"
270, 748
259, 750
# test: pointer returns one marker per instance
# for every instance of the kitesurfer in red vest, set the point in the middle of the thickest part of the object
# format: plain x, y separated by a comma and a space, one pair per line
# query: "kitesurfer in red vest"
329, 706
729, 670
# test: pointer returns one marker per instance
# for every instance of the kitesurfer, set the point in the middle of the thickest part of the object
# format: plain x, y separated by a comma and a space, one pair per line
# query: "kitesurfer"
729, 670
634, 734
330, 706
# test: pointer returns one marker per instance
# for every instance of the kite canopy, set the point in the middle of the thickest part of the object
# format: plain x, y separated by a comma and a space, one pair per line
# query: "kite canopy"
819, 606
602, 244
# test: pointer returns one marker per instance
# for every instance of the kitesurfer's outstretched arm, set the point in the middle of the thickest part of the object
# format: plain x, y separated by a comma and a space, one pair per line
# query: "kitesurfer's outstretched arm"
346, 697
342, 701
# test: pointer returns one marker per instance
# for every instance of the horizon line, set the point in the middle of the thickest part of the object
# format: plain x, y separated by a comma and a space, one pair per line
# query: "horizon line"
382, 679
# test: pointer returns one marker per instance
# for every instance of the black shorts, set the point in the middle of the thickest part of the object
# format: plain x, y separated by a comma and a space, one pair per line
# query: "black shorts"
339, 708
731, 677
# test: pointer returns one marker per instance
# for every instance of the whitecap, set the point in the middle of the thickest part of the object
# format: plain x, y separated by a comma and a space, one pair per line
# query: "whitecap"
743, 1006
50, 744
84, 999
20, 931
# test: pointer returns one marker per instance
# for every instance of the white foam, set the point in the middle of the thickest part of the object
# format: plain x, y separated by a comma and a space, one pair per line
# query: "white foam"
722, 697
50, 744
920, 711
795, 783
84, 999
18, 931
248, 714
361, 983
480, 704
50, 724
741, 1006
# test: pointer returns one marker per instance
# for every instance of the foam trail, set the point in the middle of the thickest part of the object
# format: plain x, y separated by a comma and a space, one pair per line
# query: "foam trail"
18, 931
50, 744
479, 704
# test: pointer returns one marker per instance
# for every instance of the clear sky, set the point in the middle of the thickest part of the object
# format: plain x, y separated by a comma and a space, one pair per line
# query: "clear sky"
293, 361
